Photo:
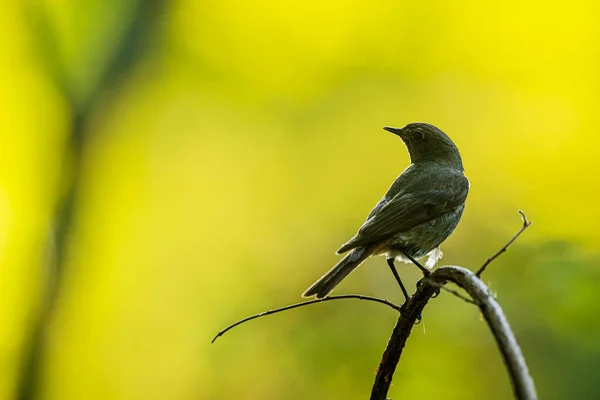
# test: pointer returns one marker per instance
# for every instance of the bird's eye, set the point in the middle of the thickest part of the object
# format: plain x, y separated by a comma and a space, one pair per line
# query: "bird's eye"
418, 136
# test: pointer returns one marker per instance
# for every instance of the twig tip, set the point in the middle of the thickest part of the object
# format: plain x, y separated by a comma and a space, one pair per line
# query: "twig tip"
526, 222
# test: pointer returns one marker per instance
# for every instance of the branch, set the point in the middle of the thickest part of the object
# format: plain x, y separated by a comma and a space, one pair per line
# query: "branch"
521, 381
145, 19
307, 303
526, 224
410, 313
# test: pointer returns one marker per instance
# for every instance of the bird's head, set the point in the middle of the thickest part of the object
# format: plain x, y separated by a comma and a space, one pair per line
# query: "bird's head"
426, 143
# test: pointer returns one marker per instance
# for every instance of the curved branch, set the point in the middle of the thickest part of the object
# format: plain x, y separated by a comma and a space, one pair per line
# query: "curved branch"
521, 381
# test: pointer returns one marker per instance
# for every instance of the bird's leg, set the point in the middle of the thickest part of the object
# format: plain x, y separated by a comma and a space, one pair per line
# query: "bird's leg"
425, 271
390, 262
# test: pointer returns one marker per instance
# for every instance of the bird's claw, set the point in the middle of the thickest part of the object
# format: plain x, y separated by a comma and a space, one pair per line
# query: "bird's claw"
420, 283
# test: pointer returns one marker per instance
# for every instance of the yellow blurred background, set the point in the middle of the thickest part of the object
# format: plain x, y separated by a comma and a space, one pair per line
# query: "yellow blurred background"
238, 144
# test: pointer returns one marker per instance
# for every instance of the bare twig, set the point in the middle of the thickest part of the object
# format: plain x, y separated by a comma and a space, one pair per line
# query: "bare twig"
526, 225
307, 303
521, 381
455, 293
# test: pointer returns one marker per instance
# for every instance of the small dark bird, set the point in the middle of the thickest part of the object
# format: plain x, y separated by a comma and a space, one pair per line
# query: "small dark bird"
419, 211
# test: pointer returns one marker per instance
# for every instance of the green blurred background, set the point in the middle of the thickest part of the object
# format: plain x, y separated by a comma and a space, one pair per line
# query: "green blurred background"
181, 165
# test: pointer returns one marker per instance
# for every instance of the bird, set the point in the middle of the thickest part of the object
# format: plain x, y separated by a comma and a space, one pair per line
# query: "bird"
419, 211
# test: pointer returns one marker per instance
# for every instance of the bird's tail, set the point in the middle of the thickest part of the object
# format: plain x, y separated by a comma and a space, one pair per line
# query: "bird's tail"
334, 276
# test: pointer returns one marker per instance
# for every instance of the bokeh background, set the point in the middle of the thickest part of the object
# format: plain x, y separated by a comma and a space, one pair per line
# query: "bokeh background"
169, 167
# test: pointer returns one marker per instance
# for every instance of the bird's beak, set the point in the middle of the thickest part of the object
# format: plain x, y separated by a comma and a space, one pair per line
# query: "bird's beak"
395, 131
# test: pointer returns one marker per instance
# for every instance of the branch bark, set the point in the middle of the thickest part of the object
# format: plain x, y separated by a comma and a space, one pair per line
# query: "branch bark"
521, 381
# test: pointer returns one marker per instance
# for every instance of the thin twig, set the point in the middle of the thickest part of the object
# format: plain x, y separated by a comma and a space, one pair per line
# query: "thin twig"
452, 291
460, 296
307, 303
526, 225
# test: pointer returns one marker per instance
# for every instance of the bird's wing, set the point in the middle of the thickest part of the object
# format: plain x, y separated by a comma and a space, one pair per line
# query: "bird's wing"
399, 184
411, 208
378, 207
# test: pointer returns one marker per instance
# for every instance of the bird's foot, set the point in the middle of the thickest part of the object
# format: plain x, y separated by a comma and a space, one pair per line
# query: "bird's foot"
420, 283
419, 319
